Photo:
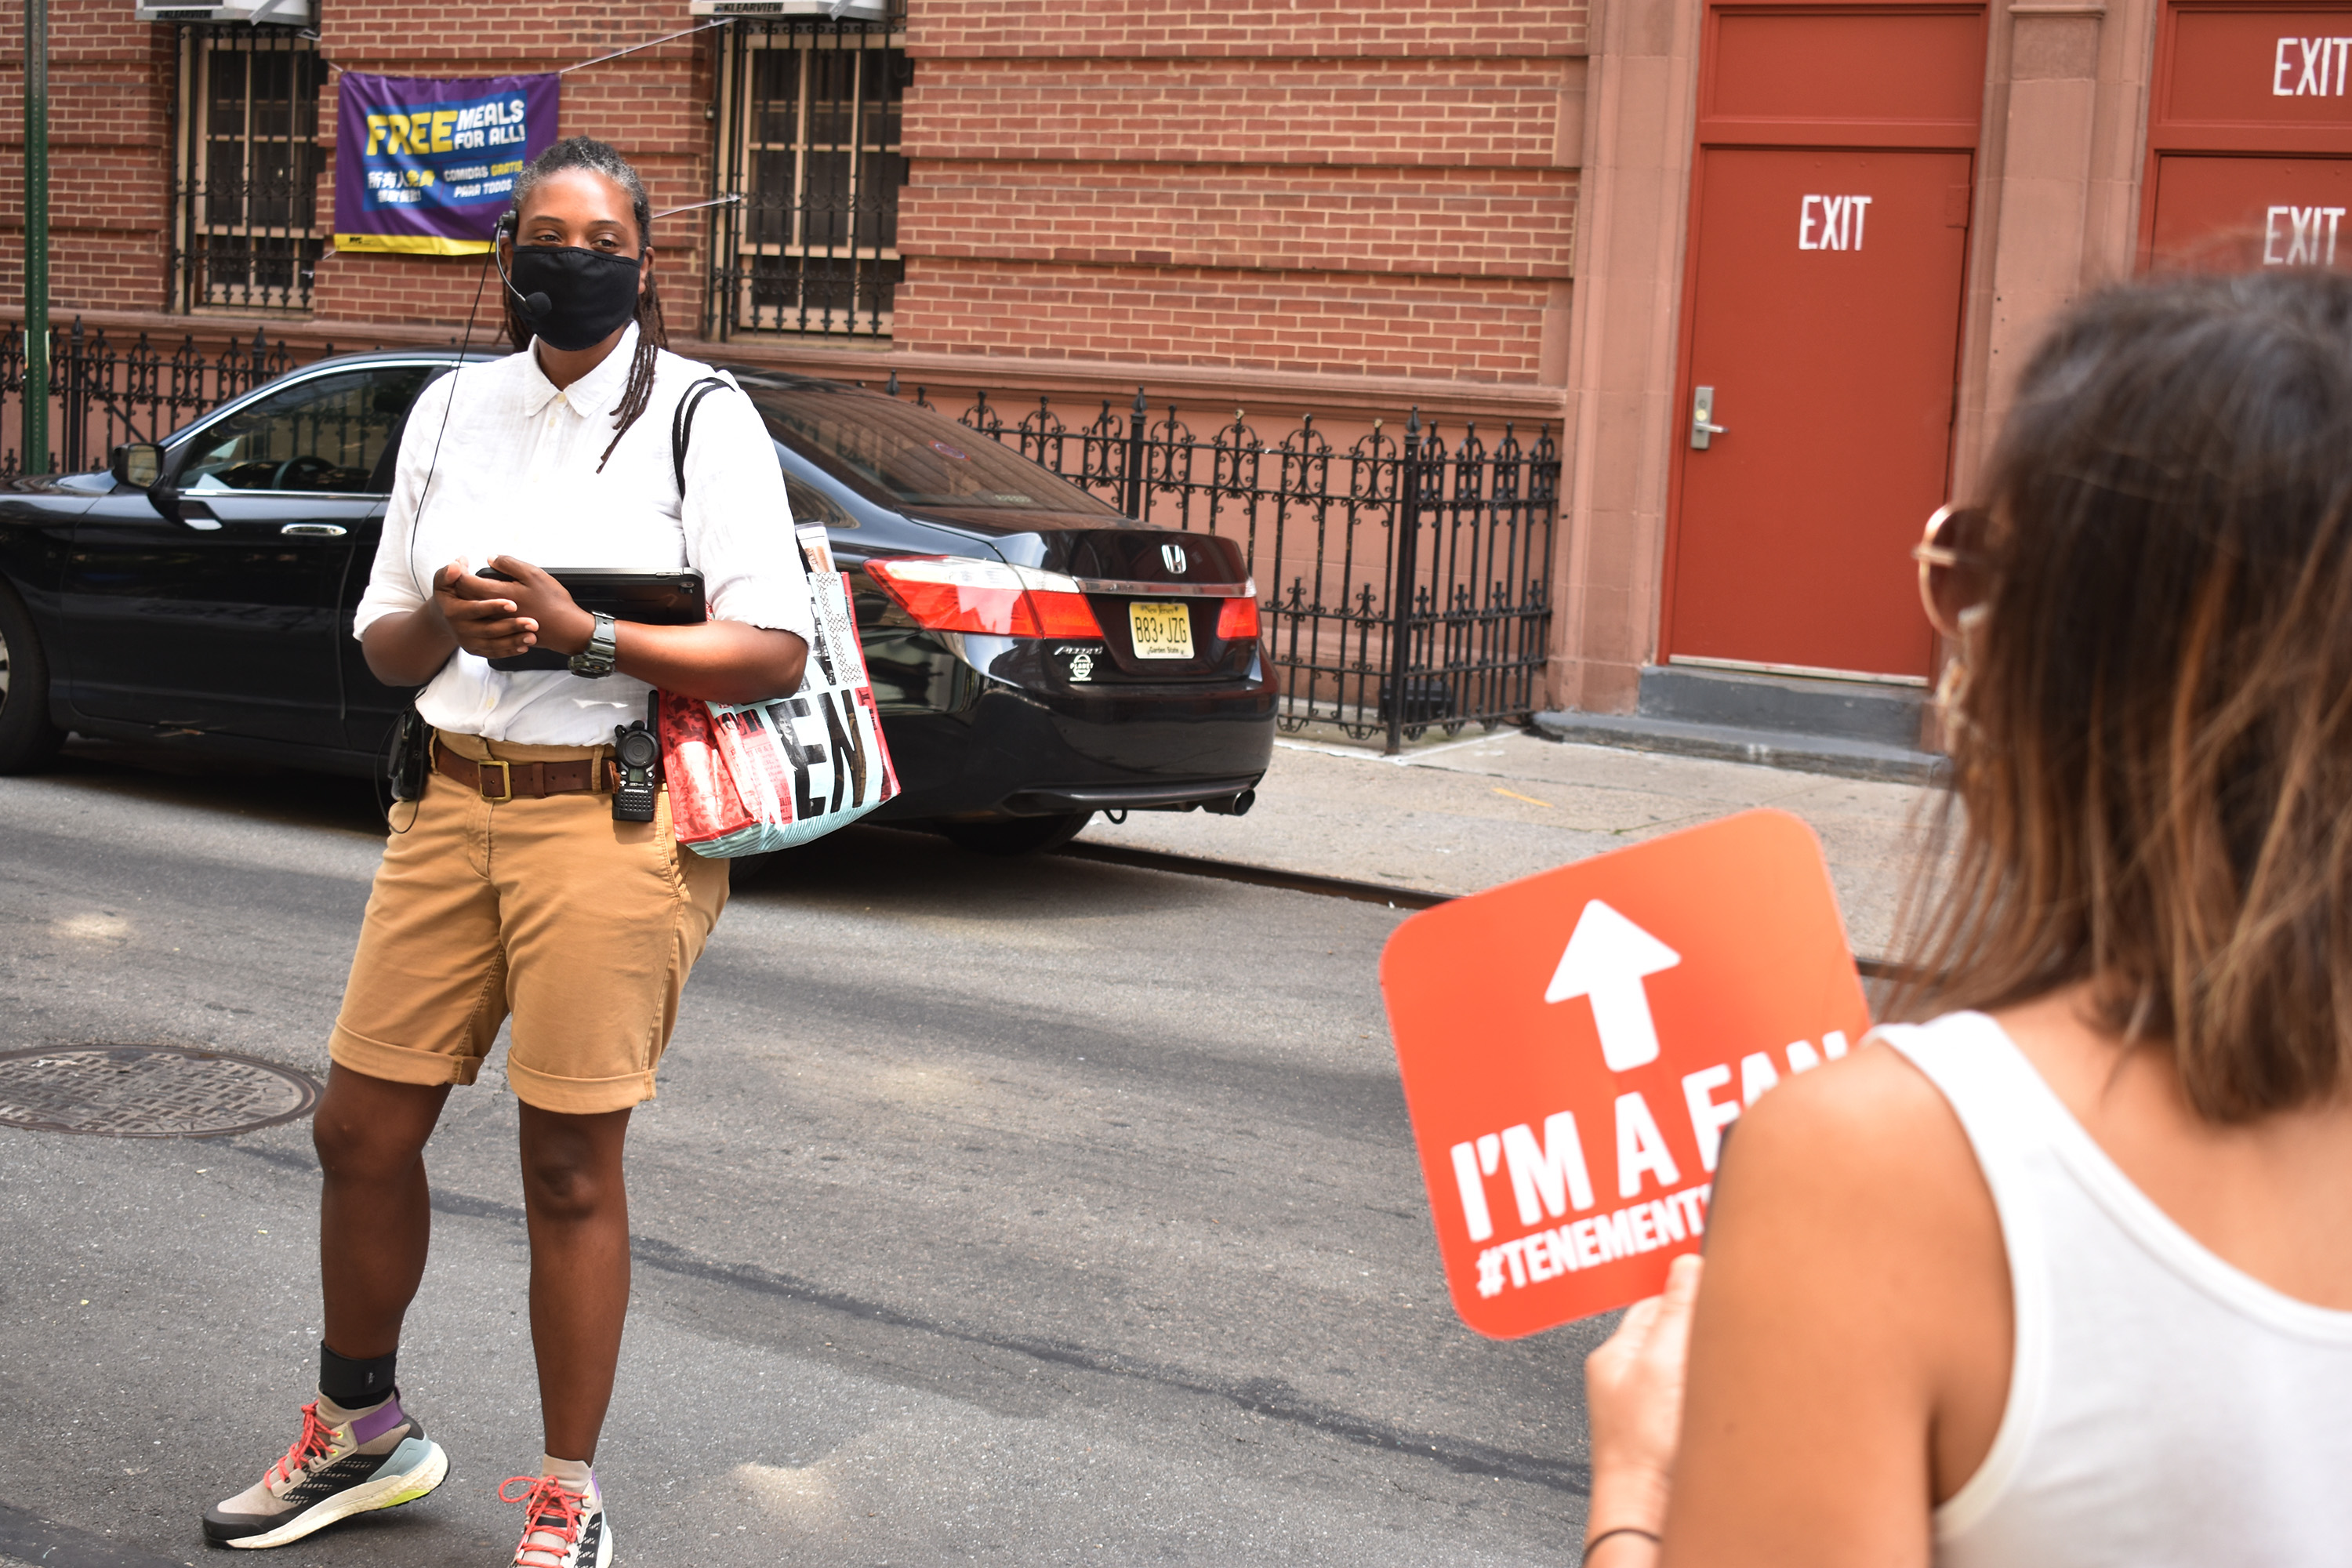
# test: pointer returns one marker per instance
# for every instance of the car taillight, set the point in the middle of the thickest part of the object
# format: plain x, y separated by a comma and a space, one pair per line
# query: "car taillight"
1237, 619
952, 593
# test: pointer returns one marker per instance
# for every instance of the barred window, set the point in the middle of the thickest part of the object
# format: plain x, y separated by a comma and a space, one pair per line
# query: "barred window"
246, 233
808, 137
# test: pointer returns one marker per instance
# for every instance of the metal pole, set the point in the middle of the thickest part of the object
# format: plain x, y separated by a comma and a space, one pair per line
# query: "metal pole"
1137, 421
37, 237
1401, 587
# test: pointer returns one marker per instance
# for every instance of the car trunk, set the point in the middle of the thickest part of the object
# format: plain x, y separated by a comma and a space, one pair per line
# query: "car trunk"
1158, 597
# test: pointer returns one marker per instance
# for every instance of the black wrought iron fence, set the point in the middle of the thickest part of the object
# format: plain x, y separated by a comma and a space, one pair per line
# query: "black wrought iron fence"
102, 393
1404, 580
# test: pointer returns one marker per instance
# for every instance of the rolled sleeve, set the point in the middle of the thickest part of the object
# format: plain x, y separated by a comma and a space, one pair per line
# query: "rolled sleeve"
739, 521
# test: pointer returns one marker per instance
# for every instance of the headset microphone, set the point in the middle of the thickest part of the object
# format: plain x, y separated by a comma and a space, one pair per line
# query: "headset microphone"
535, 305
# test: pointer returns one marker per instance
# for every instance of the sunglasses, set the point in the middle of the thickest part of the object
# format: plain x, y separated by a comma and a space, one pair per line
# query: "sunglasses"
1953, 578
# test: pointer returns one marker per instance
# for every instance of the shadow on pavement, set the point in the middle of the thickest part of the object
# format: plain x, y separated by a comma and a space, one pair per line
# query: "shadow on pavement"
903, 864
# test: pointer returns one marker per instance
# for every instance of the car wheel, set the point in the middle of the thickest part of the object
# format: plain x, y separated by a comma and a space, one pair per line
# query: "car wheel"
1017, 835
28, 741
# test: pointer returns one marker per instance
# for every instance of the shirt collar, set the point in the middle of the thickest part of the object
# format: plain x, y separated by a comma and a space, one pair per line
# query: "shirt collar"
597, 393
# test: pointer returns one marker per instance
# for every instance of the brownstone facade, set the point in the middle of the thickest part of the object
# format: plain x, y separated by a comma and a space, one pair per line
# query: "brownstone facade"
1370, 191
1484, 213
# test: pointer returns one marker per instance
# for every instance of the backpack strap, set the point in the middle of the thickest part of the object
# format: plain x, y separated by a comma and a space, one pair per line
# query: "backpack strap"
681, 423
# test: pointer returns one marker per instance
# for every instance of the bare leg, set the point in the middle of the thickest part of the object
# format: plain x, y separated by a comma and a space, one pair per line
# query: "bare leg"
375, 1217
579, 1219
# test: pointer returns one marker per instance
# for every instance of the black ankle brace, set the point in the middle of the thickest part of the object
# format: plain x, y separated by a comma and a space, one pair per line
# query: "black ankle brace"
355, 1384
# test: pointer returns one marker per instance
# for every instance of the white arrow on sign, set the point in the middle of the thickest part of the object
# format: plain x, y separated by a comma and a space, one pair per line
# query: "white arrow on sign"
1608, 958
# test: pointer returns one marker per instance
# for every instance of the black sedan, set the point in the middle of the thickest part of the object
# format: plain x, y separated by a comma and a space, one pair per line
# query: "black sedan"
1036, 655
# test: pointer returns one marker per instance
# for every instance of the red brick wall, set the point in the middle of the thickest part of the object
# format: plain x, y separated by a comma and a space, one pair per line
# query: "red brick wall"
1319, 321
1373, 189
1508, 222
110, 158
1246, 27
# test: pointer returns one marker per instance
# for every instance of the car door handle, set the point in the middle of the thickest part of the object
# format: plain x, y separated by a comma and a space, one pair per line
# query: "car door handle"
315, 530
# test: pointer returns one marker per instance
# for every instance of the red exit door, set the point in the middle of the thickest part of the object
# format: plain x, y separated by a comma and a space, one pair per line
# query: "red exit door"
2250, 138
1821, 336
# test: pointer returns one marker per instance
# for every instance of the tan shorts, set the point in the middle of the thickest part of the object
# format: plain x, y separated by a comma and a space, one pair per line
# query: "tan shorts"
584, 928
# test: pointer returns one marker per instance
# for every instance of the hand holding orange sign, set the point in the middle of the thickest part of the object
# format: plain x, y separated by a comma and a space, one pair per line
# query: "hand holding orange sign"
1573, 1045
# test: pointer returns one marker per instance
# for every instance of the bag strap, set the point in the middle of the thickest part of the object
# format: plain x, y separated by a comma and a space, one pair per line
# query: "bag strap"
681, 423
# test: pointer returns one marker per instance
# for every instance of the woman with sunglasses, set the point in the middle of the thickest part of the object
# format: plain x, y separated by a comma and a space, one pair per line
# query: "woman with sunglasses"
2061, 1272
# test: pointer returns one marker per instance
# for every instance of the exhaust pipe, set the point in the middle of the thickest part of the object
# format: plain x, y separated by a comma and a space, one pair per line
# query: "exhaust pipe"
1231, 805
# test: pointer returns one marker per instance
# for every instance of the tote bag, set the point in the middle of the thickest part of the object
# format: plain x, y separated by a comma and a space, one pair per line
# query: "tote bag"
748, 778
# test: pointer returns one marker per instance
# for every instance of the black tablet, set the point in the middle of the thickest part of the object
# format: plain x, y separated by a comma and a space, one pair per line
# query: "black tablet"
624, 592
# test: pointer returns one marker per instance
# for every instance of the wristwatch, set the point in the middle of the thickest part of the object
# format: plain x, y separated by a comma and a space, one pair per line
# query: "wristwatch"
595, 660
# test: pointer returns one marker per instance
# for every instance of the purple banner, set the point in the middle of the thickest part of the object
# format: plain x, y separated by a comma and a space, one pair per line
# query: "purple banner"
427, 165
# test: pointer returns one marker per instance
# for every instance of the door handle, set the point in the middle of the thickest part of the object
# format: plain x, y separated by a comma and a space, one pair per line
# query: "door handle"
1704, 430
315, 530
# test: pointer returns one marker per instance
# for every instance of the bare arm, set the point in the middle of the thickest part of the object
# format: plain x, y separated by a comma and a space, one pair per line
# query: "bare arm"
718, 661
1848, 1352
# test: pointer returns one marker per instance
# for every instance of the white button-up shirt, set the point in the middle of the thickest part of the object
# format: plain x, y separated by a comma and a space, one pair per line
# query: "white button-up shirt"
517, 475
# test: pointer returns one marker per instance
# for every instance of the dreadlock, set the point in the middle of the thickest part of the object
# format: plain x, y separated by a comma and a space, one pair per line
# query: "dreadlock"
598, 158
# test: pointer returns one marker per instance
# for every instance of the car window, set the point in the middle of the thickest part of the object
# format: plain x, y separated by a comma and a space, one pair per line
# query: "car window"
326, 433
811, 504
913, 456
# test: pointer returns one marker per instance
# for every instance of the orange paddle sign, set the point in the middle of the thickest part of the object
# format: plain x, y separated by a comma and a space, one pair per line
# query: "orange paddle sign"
1573, 1045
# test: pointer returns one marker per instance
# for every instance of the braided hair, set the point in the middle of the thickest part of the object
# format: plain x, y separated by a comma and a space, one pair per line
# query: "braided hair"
599, 158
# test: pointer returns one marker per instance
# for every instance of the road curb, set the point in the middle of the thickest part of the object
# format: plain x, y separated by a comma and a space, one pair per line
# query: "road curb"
1331, 886
1255, 875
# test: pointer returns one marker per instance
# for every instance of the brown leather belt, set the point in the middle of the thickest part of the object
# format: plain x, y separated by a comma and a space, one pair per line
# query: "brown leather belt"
500, 782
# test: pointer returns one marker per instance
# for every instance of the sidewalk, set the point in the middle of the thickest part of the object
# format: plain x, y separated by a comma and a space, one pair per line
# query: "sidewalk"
1457, 816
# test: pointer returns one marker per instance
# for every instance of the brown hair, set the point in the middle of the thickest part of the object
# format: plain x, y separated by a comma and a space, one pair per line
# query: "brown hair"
2153, 747
599, 158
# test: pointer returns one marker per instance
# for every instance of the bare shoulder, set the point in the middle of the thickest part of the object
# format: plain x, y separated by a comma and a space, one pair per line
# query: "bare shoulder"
1871, 1124
1853, 1235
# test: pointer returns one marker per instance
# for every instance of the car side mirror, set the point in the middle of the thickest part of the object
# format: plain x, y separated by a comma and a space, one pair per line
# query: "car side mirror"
137, 464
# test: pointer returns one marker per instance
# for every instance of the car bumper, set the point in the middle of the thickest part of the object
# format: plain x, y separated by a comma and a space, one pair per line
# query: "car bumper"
1016, 753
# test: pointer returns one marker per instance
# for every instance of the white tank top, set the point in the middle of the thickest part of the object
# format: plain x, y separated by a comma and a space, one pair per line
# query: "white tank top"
2163, 1406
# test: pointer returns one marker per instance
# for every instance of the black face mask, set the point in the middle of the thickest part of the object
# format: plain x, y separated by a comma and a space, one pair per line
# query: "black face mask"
574, 298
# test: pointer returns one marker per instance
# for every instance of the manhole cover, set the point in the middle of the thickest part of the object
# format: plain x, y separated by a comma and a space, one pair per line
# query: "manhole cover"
148, 1091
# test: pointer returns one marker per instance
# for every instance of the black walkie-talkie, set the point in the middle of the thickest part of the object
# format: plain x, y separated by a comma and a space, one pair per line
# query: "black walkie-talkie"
636, 756
412, 756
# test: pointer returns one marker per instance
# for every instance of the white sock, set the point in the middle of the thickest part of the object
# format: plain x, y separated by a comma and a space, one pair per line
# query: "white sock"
575, 1474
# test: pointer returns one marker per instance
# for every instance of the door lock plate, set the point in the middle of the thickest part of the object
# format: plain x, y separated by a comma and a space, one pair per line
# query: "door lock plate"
1704, 430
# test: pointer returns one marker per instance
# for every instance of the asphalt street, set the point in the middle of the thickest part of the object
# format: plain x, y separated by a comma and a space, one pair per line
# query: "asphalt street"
1037, 1211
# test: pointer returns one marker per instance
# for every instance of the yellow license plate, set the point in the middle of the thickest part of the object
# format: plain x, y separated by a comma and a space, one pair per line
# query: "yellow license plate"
1161, 631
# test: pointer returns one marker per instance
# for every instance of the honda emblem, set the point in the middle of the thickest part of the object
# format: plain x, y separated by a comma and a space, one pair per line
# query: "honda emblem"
1173, 555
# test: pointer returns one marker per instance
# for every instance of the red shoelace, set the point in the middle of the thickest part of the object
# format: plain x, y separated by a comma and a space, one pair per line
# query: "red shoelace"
317, 1441
548, 1507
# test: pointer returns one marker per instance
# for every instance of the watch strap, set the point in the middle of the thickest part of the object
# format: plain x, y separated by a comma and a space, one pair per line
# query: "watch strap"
595, 660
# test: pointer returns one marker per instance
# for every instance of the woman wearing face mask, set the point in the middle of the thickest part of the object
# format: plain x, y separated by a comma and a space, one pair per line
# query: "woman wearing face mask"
514, 890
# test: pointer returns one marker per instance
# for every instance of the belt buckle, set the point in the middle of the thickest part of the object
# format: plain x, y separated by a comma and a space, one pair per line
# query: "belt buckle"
506, 780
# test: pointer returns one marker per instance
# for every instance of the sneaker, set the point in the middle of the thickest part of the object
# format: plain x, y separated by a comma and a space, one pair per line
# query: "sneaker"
561, 1528
357, 1462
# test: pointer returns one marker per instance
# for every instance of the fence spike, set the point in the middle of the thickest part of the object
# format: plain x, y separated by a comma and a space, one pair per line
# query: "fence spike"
892, 387
1142, 407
